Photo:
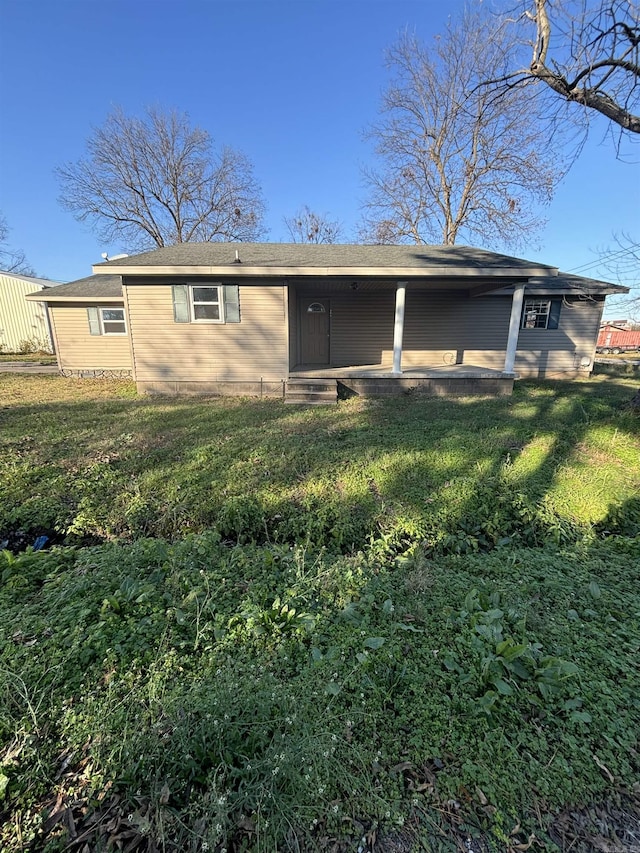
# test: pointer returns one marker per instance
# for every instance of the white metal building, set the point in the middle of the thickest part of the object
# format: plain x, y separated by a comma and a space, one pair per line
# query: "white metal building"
24, 326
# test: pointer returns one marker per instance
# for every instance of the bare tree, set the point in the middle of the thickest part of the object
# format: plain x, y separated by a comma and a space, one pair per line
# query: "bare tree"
12, 260
623, 258
156, 181
622, 262
307, 226
458, 162
589, 54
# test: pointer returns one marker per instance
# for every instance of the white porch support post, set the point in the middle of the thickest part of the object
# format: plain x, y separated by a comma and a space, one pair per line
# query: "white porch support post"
514, 328
398, 328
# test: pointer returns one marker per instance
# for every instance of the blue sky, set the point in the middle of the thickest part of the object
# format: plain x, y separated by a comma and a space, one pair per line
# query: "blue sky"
292, 84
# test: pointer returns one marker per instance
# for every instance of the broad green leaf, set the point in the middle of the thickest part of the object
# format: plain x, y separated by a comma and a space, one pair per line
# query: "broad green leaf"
351, 614
519, 669
332, 688
544, 690
503, 687
374, 642
471, 601
516, 651
388, 607
594, 590
495, 614
581, 716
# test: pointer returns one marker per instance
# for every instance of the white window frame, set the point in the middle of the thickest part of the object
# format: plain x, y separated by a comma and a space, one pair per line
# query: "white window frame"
536, 308
103, 331
219, 302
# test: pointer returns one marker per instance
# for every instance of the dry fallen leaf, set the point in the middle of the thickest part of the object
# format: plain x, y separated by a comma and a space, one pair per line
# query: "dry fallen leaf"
604, 768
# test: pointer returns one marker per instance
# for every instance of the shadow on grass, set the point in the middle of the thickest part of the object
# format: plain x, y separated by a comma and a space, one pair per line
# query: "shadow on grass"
262, 471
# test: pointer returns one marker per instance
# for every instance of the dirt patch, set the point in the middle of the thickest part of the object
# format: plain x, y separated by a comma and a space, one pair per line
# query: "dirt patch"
611, 826
19, 540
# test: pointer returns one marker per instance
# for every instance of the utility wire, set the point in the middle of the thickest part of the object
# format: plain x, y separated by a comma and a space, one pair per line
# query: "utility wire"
603, 260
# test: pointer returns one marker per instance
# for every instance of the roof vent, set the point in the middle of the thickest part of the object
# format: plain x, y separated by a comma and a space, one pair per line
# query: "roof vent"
114, 258
237, 260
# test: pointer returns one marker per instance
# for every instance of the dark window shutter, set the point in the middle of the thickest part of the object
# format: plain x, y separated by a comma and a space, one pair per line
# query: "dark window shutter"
554, 313
231, 303
180, 303
94, 320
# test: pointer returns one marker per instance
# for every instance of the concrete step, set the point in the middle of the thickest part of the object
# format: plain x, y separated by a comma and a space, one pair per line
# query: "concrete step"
312, 392
313, 384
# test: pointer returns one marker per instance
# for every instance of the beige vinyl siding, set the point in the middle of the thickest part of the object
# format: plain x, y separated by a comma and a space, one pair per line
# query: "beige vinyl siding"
439, 328
558, 352
80, 350
166, 351
454, 328
22, 322
361, 327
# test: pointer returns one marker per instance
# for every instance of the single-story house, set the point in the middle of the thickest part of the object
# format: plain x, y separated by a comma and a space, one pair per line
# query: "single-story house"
24, 326
293, 320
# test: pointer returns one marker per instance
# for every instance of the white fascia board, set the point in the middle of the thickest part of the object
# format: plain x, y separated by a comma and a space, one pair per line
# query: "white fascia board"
241, 271
43, 297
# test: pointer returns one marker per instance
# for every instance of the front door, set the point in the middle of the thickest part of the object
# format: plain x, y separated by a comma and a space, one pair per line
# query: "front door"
314, 331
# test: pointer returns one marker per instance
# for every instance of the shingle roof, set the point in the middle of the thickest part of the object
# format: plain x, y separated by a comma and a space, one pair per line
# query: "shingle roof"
91, 287
32, 279
570, 284
310, 257
301, 255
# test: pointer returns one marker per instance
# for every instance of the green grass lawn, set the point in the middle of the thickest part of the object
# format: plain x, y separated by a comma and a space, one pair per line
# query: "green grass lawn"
38, 357
270, 628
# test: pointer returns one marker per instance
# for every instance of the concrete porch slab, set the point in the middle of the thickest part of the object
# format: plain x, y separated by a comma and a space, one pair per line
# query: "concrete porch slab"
383, 371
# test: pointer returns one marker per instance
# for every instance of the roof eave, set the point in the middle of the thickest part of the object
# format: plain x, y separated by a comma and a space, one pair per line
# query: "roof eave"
38, 297
242, 271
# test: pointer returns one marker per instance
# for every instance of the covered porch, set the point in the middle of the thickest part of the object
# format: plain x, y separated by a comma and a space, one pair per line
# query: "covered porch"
375, 380
445, 342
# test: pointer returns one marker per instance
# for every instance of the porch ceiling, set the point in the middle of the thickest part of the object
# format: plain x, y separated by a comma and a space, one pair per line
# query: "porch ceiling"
318, 287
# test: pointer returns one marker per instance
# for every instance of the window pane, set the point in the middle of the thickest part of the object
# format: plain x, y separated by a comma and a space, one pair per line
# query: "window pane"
113, 321
113, 314
536, 314
206, 312
111, 327
205, 294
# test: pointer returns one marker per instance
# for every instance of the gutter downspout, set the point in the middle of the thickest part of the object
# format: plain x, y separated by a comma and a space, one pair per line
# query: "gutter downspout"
398, 328
514, 328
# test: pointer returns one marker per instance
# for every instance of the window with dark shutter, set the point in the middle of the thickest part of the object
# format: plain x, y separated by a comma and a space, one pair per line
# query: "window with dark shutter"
206, 303
542, 313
